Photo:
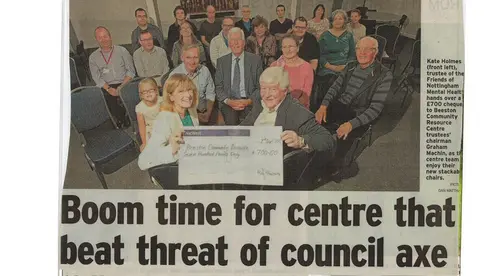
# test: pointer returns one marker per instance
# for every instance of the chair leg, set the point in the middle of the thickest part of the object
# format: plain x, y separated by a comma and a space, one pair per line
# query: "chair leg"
400, 84
406, 95
101, 178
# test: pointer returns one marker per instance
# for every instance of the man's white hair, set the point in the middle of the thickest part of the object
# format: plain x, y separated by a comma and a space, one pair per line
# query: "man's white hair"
236, 30
370, 38
274, 75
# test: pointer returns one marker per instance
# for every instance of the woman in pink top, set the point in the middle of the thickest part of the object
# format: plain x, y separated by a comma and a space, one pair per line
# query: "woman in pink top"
301, 73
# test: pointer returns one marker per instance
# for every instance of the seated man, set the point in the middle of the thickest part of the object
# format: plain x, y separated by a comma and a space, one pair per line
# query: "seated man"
237, 79
201, 77
150, 61
356, 98
300, 130
111, 67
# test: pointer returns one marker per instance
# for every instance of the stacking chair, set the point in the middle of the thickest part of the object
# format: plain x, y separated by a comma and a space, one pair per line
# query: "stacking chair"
370, 26
407, 79
417, 37
363, 12
107, 148
402, 22
130, 98
84, 59
391, 33
74, 75
381, 46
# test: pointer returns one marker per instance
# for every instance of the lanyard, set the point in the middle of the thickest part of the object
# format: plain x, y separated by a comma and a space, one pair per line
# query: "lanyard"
110, 55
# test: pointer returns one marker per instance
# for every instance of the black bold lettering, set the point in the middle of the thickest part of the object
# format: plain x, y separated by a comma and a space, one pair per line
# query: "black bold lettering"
70, 206
291, 214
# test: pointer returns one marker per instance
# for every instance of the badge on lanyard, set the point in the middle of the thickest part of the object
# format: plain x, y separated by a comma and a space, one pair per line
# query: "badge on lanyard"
106, 69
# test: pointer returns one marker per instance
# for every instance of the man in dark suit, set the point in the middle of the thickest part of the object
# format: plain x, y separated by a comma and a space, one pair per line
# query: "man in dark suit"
237, 79
308, 147
278, 108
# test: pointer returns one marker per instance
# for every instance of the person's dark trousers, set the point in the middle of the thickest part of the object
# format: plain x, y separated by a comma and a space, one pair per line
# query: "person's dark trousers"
321, 86
233, 117
116, 107
214, 116
337, 114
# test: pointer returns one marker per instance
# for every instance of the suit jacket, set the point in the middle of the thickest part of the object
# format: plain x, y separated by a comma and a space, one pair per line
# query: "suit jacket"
158, 150
252, 72
291, 115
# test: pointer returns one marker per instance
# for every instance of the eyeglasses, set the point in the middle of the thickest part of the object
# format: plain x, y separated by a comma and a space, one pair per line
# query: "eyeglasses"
147, 39
300, 28
289, 47
365, 49
228, 25
148, 91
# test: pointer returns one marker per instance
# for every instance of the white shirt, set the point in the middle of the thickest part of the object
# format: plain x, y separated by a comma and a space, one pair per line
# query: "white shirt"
267, 117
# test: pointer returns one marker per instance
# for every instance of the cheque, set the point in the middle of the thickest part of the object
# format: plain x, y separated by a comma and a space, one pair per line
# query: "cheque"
237, 154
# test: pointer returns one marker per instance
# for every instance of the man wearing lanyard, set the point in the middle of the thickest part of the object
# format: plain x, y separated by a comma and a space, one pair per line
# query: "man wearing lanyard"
111, 67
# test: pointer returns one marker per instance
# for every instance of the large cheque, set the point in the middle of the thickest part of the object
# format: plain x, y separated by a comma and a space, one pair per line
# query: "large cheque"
237, 154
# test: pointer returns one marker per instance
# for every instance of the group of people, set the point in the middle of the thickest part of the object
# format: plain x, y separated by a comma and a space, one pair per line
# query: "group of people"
236, 74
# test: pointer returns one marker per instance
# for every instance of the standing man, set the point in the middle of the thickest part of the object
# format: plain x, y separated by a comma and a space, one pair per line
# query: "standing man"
111, 67
219, 46
245, 22
237, 79
308, 44
143, 25
210, 27
201, 77
281, 26
150, 60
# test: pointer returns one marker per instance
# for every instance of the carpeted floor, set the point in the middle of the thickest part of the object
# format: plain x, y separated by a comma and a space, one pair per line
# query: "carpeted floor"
391, 163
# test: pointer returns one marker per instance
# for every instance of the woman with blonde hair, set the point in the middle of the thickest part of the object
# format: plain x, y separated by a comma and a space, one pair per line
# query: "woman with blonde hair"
177, 110
186, 37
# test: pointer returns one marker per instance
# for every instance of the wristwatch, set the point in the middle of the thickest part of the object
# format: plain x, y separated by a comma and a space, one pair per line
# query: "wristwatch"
301, 140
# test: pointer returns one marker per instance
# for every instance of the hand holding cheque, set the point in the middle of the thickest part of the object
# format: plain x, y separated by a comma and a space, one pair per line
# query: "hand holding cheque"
239, 155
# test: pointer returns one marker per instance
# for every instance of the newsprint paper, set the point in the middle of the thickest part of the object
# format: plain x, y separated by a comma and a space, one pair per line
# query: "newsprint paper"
184, 160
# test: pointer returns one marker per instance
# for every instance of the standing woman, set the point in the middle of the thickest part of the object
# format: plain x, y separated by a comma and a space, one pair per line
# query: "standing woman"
318, 24
337, 48
301, 74
186, 37
173, 32
261, 42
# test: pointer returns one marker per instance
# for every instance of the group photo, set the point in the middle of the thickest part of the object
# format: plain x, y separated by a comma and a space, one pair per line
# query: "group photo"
307, 95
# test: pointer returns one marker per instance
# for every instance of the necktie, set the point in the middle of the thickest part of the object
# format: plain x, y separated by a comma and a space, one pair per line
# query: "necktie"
236, 81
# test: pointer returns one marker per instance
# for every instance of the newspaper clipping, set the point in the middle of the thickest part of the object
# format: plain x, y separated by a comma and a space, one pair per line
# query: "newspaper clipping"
288, 138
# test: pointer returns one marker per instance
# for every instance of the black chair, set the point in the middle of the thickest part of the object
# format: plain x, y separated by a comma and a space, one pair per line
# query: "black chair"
84, 59
164, 78
407, 79
107, 148
402, 21
370, 26
391, 33
417, 37
130, 98
381, 46
363, 12
74, 75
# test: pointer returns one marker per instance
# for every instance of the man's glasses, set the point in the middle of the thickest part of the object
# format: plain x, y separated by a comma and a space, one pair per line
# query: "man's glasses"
365, 49
300, 28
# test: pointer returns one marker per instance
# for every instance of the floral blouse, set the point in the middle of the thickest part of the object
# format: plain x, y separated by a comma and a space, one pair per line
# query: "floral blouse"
267, 51
317, 29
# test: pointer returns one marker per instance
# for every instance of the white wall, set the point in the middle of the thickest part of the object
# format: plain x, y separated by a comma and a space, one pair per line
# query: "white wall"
412, 8
116, 15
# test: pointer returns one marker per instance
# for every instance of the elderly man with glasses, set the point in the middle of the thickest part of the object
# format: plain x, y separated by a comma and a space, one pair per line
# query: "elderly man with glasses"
219, 46
356, 98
